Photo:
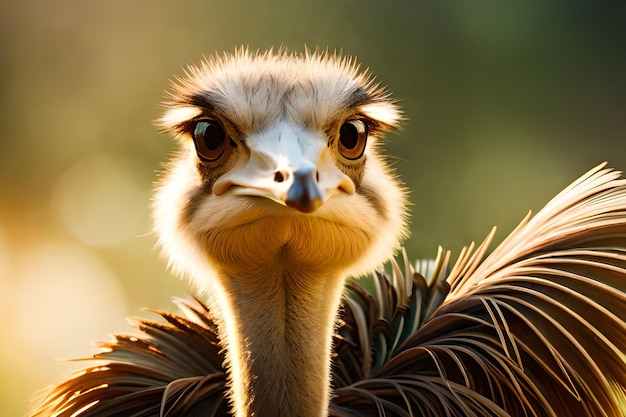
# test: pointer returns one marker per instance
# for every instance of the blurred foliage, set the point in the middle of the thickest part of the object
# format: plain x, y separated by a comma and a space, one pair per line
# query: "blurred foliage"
506, 102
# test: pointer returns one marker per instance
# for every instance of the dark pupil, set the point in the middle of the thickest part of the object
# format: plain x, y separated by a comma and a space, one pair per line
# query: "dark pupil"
349, 135
212, 135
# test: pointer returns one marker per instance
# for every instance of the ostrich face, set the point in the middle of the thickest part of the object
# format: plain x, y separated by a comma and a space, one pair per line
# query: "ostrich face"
279, 167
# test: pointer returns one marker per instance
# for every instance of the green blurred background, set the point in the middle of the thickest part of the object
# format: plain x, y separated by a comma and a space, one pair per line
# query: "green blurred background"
507, 102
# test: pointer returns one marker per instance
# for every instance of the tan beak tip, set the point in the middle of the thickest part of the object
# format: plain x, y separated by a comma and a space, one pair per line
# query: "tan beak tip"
305, 194
304, 205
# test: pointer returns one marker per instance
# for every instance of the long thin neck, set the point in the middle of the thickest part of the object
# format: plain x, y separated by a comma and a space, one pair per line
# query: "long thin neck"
278, 333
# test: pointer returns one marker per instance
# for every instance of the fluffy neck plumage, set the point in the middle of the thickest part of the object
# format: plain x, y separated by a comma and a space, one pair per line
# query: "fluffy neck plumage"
280, 282
278, 332
275, 278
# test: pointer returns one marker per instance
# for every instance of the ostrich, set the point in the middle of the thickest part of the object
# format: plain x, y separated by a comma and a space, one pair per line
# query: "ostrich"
279, 193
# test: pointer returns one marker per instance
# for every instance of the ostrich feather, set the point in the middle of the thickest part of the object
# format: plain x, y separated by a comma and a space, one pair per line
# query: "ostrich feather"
535, 328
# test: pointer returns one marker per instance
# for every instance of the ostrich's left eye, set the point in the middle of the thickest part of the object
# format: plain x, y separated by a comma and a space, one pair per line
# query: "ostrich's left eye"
210, 139
352, 139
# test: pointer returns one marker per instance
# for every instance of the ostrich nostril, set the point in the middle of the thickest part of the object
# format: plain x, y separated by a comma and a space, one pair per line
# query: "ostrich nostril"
281, 176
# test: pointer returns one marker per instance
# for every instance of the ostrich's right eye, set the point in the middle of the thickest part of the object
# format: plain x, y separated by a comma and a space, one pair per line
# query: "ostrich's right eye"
210, 139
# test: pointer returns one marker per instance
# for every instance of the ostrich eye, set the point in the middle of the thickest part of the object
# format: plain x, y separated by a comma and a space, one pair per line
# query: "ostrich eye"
352, 139
210, 139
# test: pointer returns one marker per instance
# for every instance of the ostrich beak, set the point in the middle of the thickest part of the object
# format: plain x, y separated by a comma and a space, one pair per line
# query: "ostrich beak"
289, 165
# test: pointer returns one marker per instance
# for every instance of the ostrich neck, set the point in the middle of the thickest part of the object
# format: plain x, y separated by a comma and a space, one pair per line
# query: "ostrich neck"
278, 331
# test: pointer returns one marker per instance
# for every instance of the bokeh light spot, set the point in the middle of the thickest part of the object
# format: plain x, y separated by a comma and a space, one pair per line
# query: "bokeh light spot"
100, 202
65, 298
5, 265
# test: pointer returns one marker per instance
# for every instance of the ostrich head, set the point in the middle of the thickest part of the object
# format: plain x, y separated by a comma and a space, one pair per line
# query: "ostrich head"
277, 194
